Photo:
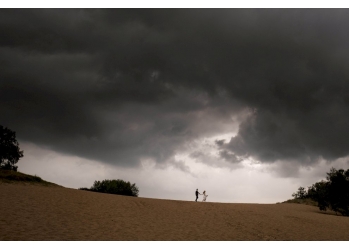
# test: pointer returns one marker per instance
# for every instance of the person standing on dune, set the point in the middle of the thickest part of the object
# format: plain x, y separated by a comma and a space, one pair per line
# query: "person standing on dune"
197, 194
205, 195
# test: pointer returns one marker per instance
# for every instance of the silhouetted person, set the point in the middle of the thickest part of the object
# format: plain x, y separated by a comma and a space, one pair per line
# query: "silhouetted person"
197, 194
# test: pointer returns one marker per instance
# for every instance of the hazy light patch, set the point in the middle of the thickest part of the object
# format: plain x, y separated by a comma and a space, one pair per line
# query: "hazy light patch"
65, 170
246, 184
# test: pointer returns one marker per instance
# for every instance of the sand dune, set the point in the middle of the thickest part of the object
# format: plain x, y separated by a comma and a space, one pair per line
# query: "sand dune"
33, 212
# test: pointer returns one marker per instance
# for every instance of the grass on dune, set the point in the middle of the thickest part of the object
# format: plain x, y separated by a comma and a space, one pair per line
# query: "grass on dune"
306, 201
9, 176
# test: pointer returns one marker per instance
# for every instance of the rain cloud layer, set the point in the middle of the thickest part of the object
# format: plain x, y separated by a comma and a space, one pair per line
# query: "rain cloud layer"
122, 86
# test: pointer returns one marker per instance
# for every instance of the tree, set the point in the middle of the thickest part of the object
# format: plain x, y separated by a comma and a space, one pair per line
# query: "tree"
319, 192
301, 193
114, 187
339, 190
333, 193
9, 149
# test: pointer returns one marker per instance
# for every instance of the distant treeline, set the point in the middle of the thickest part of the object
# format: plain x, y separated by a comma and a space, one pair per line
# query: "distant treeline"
332, 193
114, 187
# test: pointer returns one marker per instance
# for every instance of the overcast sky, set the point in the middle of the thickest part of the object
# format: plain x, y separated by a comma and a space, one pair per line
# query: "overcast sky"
247, 104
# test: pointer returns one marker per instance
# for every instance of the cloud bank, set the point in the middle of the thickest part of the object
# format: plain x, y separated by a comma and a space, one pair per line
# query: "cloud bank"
122, 85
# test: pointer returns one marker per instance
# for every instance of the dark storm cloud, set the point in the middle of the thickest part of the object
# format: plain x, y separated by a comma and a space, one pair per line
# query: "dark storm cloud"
117, 85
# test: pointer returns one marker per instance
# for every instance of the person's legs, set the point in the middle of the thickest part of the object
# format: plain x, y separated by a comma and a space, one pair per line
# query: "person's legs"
197, 198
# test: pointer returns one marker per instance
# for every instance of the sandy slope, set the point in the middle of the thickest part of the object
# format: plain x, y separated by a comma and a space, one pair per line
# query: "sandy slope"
31, 212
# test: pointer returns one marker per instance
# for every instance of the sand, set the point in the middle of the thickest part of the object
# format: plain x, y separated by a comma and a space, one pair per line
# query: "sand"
33, 212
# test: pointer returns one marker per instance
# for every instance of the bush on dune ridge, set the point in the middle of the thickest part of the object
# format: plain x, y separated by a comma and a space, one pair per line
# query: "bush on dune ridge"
118, 186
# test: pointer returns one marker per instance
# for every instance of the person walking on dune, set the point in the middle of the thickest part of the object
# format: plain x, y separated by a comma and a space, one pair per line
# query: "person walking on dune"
197, 194
205, 195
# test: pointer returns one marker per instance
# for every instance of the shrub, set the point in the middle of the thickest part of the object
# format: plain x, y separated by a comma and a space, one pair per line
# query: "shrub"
114, 187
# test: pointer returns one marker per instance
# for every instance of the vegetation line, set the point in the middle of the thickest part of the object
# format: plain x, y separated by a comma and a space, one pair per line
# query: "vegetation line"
118, 186
332, 193
11, 176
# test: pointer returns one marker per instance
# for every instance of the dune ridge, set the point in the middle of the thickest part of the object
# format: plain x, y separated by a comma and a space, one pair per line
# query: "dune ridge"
34, 212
